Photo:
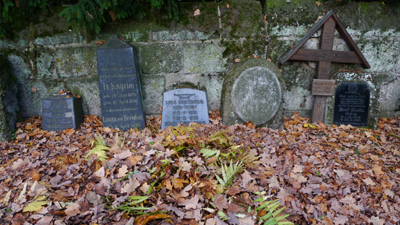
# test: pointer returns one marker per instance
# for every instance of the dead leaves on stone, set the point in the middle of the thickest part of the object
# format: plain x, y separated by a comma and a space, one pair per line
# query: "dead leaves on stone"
321, 174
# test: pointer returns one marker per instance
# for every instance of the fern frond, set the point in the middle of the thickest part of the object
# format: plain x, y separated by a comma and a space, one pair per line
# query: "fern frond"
100, 149
207, 153
272, 211
250, 159
229, 173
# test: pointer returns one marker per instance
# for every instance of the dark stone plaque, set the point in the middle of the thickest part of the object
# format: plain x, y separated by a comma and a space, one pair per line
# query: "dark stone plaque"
60, 112
120, 90
184, 106
351, 104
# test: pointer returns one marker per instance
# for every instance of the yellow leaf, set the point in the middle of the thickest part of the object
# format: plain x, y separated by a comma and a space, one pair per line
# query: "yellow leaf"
178, 183
35, 205
227, 5
309, 125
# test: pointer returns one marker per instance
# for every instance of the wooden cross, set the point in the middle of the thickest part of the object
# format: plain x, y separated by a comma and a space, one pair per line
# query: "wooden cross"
325, 56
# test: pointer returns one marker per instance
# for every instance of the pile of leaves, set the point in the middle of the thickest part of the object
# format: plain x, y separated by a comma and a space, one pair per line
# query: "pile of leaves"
201, 174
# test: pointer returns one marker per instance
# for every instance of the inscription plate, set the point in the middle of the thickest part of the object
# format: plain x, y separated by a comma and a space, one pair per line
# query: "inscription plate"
60, 112
184, 106
256, 95
119, 84
323, 87
351, 104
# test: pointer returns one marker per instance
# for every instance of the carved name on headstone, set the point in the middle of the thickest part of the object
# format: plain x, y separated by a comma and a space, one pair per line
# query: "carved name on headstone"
120, 91
351, 104
60, 112
184, 106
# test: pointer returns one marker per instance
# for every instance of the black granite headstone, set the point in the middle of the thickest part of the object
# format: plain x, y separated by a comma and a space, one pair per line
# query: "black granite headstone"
184, 106
351, 104
60, 112
120, 90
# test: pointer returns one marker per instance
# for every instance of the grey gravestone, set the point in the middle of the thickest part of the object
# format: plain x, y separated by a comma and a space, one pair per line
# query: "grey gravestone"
351, 104
252, 91
184, 106
120, 90
256, 95
60, 112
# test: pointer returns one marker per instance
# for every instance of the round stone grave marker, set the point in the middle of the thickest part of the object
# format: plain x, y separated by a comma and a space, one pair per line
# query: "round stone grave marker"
256, 95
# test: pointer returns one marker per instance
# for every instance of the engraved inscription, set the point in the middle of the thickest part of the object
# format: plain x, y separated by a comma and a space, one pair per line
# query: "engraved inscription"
184, 106
323, 87
121, 103
57, 114
351, 104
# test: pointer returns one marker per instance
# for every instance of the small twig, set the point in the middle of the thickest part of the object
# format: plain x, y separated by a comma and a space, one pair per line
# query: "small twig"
391, 134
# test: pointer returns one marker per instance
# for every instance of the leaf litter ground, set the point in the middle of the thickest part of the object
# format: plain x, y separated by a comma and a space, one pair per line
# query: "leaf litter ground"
201, 174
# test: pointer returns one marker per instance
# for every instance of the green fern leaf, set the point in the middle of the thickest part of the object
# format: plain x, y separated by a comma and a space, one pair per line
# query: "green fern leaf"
229, 173
100, 151
207, 153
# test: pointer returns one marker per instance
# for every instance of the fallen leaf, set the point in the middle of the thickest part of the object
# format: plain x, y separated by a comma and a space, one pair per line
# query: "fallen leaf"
377, 170
36, 205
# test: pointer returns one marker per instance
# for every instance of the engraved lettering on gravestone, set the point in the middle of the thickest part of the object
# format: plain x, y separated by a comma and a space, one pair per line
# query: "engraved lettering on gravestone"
60, 112
351, 104
256, 95
323, 87
184, 106
120, 91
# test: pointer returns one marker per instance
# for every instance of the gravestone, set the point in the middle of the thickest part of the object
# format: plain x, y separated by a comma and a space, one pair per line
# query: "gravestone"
120, 90
60, 112
252, 91
256, 95
351, 104
184, 106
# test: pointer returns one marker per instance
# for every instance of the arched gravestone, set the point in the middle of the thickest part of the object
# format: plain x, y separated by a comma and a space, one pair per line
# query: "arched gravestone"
252, 91
184, 105
351, 104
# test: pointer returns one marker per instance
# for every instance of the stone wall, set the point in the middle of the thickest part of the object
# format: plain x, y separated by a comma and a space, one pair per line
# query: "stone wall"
200, 49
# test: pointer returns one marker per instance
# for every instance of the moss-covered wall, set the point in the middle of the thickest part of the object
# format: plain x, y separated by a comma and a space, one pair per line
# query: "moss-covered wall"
200, 49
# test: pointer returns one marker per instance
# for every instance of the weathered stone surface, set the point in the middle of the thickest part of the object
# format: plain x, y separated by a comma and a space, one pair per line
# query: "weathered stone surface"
256, 95
212, 83
377, 55
60, 112
160, 58
389, 99
231, 109
153, 88
203, 58
45, 65
88, 89
297, 100
182, 35
119, 84
75, 62
9, 111
184, 105
60, 39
